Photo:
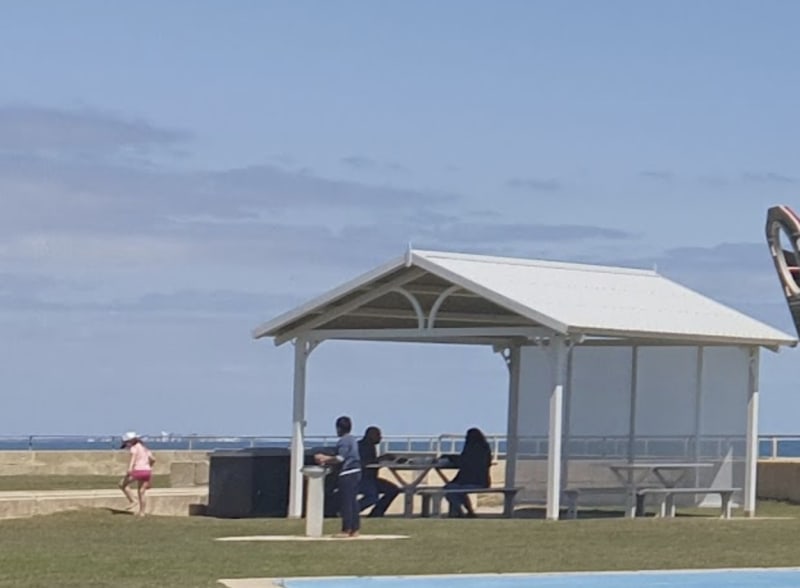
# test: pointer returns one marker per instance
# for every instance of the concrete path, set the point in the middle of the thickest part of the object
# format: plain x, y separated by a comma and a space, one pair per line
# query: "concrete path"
251, 583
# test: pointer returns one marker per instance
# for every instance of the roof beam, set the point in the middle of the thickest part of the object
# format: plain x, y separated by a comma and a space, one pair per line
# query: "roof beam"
679, 339
655, 342
501, 342
459, 317
342, 309
429, 334
437, 290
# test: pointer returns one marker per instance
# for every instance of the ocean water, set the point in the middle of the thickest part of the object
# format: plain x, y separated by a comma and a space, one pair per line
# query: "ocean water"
179, 442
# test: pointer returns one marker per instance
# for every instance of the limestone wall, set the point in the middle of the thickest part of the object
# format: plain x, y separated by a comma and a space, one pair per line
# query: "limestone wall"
779, 479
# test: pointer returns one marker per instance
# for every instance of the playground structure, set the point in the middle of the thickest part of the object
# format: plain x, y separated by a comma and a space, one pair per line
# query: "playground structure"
783, 238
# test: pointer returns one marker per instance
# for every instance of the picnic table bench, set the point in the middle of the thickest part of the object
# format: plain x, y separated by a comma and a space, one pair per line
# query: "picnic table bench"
639, 479
666, 498
572, 495
418, 467
432, 498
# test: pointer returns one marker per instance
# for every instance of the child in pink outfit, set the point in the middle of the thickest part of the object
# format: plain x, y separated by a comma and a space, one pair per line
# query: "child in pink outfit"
140, 469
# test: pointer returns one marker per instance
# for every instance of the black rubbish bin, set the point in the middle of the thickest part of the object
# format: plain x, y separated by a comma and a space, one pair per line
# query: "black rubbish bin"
249, 483
254, 482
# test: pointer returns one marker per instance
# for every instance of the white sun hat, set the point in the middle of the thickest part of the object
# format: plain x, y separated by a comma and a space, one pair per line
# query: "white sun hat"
129, 436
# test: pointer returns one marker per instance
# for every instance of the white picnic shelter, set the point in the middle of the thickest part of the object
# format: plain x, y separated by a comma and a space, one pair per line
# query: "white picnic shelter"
605, 363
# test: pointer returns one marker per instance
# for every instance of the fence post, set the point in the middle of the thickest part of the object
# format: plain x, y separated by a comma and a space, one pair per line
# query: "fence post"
774, 448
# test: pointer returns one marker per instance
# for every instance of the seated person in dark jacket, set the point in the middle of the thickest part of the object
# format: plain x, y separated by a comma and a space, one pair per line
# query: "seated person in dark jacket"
473, 472
375, 490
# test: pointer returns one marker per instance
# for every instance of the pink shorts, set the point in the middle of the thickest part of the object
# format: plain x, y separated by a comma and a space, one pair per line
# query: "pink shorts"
141, 475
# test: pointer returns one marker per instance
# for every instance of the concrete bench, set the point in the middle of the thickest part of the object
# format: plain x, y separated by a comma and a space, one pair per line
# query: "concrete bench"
432, 498
667, 496
572, 496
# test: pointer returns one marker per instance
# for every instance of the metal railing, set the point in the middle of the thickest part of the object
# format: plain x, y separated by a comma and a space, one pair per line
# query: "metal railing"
770, 446
446, 443
454, 442
779, 446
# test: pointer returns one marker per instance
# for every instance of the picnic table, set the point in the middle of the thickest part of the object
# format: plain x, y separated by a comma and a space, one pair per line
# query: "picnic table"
419, 467
657, 474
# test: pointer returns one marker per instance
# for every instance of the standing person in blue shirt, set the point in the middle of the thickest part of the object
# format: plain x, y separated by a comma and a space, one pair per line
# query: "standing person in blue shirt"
349, 475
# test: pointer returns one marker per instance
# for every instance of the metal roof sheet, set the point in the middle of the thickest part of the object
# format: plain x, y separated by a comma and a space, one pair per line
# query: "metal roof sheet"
574, 298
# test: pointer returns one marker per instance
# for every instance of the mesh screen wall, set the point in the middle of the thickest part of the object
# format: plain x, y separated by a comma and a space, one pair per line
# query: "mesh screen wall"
626, 405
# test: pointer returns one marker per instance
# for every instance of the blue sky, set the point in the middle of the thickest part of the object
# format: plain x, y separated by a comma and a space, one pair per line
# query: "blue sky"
173, 174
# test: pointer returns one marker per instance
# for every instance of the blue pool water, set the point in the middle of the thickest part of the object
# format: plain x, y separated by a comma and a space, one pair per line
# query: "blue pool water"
749, 578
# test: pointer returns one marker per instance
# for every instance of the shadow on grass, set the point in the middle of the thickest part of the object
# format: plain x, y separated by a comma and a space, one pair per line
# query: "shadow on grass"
119, 511
605, 513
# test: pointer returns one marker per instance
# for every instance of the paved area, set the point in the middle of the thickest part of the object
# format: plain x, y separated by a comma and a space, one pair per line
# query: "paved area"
252, 583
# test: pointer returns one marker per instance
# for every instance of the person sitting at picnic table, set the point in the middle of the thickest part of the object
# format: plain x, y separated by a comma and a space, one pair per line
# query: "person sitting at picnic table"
473, 472
375, 491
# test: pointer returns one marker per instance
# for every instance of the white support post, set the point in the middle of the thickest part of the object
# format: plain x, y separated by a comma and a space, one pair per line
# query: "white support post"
567, 404
559, 351
698, 411
512, 357
632, 413
301, 351
751, 458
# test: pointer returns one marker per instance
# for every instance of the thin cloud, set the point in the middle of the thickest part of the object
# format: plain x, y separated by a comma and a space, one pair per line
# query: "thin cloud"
359, 162
534, 184
522, 232
35, 294
26, 129
56, 177
722, 257
429, 218
714, 181
767, 178
731, 272
658, 175
208, 301
44, 195
368, 164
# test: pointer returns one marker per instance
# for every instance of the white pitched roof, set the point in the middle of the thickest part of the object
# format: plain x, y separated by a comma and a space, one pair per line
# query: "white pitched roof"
569, 298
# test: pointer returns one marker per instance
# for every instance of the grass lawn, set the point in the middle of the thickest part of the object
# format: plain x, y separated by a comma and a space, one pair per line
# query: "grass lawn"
98, 548
60, 482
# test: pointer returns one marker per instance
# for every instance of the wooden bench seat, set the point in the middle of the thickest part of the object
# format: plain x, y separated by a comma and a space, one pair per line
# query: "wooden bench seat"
432, 498
667, 496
